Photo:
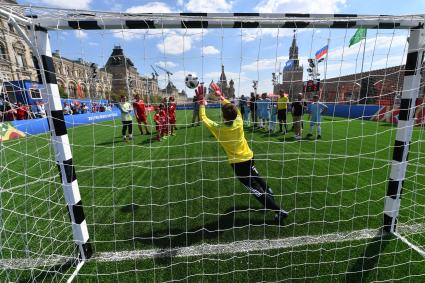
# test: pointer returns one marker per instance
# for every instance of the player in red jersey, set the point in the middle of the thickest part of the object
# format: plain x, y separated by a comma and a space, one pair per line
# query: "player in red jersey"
141, 114
164, 119
158, 119
172, 115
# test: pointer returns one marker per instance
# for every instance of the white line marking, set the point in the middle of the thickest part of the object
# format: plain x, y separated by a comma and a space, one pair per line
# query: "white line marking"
75, 273
214, 249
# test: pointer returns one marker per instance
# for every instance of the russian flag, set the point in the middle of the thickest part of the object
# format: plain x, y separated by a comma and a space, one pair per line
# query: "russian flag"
321, 52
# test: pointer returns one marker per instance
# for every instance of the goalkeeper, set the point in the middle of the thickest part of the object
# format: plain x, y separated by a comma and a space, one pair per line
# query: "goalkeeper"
232, 138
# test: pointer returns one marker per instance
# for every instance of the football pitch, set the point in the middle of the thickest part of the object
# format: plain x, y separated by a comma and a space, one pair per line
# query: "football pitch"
173, 210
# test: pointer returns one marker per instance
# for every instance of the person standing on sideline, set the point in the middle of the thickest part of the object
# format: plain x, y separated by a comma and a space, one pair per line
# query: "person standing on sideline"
282, 107
273, 115
243, 105
298, 107
127, 121
317, 108
253, 109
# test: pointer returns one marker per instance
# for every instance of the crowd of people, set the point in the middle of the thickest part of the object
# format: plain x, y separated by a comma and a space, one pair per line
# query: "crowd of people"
19, 111
76, 107
164, 117
266, 112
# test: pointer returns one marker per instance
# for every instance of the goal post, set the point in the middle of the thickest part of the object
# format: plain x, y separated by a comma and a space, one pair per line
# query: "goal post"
406, 123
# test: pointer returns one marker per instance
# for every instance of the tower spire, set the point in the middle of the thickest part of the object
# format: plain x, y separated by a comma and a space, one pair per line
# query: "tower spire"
293, 51
223, 79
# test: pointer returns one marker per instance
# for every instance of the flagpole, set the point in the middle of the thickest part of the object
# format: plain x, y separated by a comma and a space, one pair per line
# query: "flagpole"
361, 71
326, 70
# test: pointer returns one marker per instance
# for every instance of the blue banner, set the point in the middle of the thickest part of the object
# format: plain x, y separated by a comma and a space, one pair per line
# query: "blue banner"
289, 65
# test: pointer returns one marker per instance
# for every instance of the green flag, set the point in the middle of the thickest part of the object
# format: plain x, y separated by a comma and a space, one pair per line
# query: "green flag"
358, 36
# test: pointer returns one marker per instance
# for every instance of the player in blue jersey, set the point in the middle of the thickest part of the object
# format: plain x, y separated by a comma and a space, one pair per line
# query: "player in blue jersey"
316, 110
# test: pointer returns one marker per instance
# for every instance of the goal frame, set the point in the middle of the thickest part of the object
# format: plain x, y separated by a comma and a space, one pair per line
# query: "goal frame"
88, 20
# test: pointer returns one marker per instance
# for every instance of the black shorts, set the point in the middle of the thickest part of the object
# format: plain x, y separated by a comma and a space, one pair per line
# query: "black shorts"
281, 115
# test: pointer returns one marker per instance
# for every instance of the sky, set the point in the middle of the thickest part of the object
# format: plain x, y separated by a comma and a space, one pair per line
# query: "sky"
247, 54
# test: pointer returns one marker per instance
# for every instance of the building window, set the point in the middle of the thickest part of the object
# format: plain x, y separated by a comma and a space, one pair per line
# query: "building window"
72, 90
11, 28
3, 54
20, 61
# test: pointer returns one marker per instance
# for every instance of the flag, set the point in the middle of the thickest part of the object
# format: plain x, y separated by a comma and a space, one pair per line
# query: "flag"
288, 65
321, 52
79, 91
358, 36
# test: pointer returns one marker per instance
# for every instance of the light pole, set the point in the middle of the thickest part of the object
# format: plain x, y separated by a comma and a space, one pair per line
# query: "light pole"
254, 86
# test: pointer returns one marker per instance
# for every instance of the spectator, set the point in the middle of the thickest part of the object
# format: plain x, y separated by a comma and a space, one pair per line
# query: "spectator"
41, 112
298, 108
273, 115
243, 105
253, 109
21, 111
9, 114
67, 109
84, 108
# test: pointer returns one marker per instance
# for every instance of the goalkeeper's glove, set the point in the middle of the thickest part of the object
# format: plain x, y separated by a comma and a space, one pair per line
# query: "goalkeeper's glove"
216, 90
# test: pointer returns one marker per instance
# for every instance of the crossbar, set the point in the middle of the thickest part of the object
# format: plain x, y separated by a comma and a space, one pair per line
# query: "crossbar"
64, 19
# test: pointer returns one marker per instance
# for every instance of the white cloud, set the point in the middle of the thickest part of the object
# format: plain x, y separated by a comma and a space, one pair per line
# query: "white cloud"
179, 41
81, 34
299, 6
166, 64
74, 4
265, 64
175, 44
151, 7
210, 50
209, 6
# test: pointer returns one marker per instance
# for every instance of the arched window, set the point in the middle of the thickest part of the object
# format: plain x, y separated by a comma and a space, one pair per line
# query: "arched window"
19, 49
72, 90
3, 52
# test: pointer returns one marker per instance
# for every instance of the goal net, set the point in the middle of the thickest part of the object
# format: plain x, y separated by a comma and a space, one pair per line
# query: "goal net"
330, 105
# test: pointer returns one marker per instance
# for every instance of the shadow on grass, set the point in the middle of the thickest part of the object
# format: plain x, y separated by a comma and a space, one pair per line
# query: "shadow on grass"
129, 208
176, 237
367, 262
388, 125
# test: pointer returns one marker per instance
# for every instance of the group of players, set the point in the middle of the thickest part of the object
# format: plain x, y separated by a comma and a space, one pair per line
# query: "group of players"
164, 118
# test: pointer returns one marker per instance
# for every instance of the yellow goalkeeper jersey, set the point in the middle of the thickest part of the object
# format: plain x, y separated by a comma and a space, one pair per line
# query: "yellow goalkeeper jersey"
231, 138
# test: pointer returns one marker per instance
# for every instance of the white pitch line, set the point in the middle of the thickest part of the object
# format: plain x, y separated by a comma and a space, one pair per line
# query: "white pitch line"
213, 249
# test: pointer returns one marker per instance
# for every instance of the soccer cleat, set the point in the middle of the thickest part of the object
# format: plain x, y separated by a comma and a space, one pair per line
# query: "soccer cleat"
124, 138
319, 137
280, 216
297, 138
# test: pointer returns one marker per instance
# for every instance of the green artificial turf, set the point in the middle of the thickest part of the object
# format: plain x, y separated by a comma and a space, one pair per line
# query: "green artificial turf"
181, 192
